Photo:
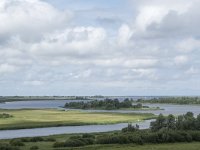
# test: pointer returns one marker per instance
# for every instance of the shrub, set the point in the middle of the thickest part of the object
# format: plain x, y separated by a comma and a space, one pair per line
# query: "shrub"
74, 143
36, 139
195, 135
4, 115
87, 141
16, 142
177, 136
34, 148
25, 139
88, 135
151, 138
113, 139
135, 139
50, 139
59, 144
4, 146
188, 137
75, 137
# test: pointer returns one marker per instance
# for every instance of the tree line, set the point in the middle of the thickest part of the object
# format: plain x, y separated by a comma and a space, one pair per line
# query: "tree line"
172, 100
107, 104
182, 122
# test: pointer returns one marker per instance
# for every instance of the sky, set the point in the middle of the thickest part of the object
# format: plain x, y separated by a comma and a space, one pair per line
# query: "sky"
99, 47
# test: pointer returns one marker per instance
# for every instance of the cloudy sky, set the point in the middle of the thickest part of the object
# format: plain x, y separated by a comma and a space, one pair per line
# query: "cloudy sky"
107, 47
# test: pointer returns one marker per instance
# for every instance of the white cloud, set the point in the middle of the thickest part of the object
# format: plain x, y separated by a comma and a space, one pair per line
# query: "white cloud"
192, 70
29, 18
43, 45
34, 83
124, 34
6, 68
71, 42
188, 45
181, 60
154, 11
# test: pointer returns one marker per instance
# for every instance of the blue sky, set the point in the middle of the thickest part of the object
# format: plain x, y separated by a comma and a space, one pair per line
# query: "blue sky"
92, 47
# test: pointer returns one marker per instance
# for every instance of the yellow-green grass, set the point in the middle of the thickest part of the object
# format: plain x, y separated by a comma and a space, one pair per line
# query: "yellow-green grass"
31, 118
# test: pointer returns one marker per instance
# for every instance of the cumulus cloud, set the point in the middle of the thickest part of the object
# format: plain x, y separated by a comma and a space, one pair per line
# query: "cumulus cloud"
180, 60
157, 44
188, 45
29, 18
73, 41
6, 68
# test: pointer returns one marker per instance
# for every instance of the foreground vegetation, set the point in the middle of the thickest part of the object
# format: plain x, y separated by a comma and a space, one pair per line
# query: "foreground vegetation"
173, 100
107, 104
182, 122
32, 118
162, 130
117, 141
173, 146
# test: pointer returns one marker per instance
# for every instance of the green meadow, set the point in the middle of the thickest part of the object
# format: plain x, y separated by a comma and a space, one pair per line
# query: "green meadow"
32, 118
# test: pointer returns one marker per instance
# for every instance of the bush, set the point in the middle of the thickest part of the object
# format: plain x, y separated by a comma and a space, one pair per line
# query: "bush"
59, 144
7, 147
25, 139
87, 141
195, 135
188, 137
34, 148
113, 139
4, 146
36, 139
4, 115
135, 139
50, 139
74, 143
75, 137
151, 138
16, 142
88, 135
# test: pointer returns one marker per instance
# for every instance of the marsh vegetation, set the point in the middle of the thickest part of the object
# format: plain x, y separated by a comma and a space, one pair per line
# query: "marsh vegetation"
32, 118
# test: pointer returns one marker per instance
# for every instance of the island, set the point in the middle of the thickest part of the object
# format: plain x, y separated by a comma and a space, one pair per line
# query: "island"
108, 104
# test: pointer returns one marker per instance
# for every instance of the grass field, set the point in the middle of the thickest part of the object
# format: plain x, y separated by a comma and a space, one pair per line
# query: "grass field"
31, 118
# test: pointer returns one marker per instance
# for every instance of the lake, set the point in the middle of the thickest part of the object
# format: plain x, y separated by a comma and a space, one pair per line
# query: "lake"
8, 134
168, 108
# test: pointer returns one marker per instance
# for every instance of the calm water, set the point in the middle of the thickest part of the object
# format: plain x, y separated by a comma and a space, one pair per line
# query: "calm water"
36, 104
168, 108
174, 109
7, 134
